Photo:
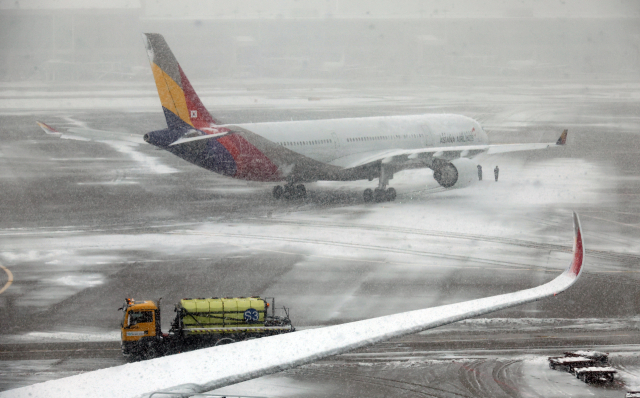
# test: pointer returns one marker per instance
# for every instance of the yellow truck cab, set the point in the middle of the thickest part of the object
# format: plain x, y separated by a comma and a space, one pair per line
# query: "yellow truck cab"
140, 325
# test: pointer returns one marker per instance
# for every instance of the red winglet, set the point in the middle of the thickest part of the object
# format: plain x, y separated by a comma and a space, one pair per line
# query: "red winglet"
578, 248
47, 129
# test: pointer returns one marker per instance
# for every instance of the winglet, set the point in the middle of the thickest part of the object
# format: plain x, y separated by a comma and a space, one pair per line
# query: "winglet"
48, 129
575, 268
563, 138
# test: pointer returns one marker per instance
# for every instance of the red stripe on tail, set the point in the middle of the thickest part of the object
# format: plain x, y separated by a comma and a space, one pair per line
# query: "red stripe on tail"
199, 115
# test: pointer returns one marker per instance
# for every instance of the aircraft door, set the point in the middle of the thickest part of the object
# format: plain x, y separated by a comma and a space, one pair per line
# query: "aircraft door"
428, 140
336, 143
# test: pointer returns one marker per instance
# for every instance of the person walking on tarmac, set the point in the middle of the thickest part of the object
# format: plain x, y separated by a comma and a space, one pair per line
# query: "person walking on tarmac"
479, 173
495, 172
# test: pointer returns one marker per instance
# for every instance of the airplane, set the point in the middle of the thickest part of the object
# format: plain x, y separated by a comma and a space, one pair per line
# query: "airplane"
298, 152
207, 369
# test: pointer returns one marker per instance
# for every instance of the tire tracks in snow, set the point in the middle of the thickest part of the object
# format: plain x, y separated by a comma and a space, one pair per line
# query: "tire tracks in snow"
626, 258
406, 386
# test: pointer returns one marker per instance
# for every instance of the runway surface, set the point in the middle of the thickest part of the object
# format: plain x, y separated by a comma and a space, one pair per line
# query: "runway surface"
85, 225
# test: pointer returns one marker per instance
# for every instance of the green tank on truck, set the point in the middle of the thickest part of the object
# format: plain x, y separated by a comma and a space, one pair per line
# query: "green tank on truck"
199, 323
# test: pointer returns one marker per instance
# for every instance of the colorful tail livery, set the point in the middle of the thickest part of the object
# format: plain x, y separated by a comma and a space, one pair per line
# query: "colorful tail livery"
180, 103
563, 138
193, 134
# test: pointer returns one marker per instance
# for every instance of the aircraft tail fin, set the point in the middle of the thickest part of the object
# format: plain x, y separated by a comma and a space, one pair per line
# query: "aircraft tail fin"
181, 105
563, 138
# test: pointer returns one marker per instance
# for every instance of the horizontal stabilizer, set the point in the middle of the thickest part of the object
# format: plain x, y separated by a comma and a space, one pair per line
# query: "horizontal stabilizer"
87, 134
198, 138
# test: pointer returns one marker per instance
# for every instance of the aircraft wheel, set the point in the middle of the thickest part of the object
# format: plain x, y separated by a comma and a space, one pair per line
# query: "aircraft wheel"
301, 191
391, 194
289, 192
368, 195
277, 191
379, 195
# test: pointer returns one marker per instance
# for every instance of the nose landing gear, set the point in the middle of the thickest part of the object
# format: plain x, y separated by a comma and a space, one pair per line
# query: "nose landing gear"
290, 191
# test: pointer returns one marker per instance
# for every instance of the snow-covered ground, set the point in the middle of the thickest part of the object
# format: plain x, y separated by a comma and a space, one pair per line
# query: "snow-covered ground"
425, 230
429, 247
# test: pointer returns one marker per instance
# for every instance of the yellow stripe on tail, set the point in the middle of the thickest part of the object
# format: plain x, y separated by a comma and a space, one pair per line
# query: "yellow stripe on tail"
171, 95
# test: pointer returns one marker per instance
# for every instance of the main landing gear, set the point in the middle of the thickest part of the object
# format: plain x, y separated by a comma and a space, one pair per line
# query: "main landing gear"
382, 193
290, 191
379, 195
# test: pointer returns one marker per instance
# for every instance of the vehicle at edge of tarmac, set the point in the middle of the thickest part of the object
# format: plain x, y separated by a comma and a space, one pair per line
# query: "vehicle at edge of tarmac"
199, 323
588, 366
596, 374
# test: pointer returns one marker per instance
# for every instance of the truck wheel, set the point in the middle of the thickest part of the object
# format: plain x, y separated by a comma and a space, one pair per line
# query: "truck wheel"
150, 353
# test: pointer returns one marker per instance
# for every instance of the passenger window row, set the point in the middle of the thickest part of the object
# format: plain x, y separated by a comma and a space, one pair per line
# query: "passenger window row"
313, 142
358, 139
384, 137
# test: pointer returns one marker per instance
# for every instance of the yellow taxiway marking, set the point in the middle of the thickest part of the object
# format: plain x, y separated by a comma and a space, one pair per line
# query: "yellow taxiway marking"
9, 278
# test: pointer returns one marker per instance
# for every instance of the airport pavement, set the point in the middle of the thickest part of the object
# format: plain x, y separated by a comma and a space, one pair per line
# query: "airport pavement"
86, 224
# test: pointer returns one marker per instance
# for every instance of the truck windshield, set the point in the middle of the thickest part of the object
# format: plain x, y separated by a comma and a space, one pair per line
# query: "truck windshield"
136, 317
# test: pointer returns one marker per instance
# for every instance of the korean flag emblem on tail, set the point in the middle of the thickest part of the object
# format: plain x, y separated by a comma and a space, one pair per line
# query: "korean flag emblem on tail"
194, 113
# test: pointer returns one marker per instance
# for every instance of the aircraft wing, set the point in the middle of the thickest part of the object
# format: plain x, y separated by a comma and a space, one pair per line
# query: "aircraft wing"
87, 134
211, 368
447, 153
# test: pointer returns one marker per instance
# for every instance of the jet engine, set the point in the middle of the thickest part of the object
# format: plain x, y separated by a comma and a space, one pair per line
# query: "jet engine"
458, 172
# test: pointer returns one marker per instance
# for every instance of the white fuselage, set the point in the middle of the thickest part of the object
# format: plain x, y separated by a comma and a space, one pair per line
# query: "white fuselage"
338, 141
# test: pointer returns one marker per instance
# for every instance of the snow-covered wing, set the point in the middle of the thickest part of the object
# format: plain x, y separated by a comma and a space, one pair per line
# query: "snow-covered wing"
493, 149
211, 368
87, 134
401, 155
448, 152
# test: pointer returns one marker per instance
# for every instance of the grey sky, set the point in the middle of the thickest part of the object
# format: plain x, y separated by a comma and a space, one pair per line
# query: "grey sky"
211, 9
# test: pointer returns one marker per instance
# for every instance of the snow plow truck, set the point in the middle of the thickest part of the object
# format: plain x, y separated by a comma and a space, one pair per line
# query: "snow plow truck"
199, 323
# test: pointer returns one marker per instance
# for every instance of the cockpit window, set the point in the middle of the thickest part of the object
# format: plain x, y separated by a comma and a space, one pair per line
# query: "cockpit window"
136, 317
